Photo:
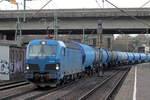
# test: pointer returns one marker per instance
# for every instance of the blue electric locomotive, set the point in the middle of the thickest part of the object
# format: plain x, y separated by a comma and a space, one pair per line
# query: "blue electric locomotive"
48, 62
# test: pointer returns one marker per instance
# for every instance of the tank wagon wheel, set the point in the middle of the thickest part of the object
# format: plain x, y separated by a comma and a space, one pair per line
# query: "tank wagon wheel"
93, 70
79, 75
73, 77
98, 69
83, 74
88, 71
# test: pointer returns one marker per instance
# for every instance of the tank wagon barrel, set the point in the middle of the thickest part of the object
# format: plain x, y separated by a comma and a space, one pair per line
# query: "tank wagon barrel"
125, 57
143, 57
105, 57
137, 57
88, 55
148, 57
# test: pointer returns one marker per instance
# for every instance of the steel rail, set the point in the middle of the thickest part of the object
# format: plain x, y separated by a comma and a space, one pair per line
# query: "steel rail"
17, 95
116, 85
52, 90
9, 83
85, 96
13, 85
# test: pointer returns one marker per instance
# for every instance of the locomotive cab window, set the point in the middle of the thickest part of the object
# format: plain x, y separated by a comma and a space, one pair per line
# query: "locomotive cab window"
42, 50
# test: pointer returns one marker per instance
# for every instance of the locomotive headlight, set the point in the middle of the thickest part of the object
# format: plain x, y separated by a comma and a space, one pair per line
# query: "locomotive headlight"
57, 67
27, 67
43, 42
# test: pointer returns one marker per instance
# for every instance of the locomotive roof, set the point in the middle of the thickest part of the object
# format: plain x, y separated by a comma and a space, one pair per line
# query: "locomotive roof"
61, 43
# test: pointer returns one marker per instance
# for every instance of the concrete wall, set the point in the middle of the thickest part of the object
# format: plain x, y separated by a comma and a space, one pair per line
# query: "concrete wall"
77, 23
4, 62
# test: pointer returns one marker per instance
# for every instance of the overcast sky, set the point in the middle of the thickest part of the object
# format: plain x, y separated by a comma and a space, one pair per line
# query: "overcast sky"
60, 4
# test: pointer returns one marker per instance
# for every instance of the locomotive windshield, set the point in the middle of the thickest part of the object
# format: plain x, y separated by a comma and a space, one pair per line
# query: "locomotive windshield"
42, 50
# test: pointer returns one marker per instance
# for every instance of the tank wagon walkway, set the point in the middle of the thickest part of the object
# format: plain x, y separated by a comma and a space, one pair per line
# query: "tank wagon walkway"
136, 85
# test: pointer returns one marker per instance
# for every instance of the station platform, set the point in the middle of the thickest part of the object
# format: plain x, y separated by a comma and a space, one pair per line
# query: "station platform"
137, 84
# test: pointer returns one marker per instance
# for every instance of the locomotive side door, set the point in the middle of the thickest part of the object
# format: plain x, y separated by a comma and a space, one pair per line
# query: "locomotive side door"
62, 60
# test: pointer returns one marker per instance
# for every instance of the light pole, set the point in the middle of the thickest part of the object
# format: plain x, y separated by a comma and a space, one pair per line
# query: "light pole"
103, 3
24, 18
83, 39
18, 27
99, 33
55, 25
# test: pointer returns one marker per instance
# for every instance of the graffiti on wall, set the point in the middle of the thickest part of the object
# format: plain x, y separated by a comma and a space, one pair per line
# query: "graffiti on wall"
4, 67
17, 60
13, 68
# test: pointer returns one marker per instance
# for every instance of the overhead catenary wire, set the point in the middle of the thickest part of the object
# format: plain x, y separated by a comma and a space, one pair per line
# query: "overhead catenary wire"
1, 1
98, 3
26, 5
40, 9
133, 17
145, 4
37, 10
23, 5
17, 3
103, 3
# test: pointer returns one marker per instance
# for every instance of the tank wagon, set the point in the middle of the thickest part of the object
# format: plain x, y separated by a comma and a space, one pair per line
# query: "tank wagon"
143, 57
51, 62
114, 58
119, 57
148, 57
88, 57
105, 58
124, 58
137, 57
130, 59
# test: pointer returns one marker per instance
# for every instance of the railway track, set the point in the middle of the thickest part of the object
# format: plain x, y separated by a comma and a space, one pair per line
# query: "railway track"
9, 83
67, 90
76, 90
9, 93
105, 90
12, 85
11, 97
109, 96
35, 93
49, 91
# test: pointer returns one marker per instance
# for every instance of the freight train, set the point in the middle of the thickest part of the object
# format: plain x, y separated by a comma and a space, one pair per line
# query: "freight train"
52, 62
